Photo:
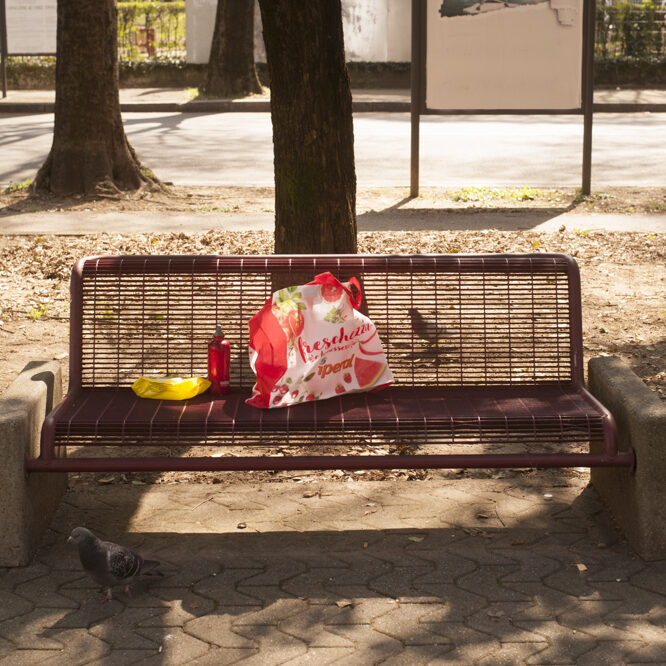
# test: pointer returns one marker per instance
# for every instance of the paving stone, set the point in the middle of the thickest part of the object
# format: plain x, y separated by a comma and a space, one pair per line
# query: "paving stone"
275, 647
190, 572
399, 583
611, 653
652, 578
223, 587
510, 654
415, 655
174, 647
479, 550
10, 578
447, 567
321, 656
308, 626
223, 656
278, 611
531, 566
13, 605
495, 620
486, 580
275, 573
29, 657
372, 646
592, 617
468, 645
403, 623
177, 606
541, 603
460, 603
39, 629
44, 592
6, 647
463, 594
119, 631
122, 657
217, 630
80, 647
564, 644
359, 611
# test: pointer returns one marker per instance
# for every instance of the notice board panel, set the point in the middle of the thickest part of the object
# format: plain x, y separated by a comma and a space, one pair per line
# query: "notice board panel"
31, 26
520, 54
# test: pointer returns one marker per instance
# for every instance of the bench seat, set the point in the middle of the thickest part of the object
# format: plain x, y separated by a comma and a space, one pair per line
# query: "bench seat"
505, 379
534, 414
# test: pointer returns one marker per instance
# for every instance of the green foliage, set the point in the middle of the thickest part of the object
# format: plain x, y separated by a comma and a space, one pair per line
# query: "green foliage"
628, 30
38, 313
486, 194
151, 29
18, 187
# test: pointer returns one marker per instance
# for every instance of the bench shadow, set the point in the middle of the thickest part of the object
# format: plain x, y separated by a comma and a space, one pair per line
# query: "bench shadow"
343, 574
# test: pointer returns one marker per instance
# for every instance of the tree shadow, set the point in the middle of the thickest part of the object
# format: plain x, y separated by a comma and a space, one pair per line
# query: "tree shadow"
395, 218
450, 569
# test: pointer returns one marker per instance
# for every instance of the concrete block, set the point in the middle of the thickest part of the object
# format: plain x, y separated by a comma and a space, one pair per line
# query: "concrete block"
29, 500
635, 498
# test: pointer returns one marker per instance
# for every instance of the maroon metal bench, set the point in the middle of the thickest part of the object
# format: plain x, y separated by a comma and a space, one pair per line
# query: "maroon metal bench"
502, 388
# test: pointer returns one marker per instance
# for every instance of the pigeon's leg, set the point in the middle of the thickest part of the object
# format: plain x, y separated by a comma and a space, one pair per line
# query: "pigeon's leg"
127, 591
108, 596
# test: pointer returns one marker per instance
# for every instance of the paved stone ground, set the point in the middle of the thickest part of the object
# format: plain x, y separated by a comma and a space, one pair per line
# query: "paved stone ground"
520, 569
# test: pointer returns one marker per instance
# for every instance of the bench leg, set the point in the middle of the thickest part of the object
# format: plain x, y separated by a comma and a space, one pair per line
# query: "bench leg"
29, 500
636, 498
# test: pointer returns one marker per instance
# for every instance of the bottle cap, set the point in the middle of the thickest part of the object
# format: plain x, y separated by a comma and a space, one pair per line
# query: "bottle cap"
219, 333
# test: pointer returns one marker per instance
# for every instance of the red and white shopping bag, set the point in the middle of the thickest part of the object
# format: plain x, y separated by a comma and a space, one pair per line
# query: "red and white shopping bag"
310, 342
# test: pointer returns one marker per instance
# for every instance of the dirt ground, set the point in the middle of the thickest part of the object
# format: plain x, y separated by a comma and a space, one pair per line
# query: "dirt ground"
623, 274
261, 199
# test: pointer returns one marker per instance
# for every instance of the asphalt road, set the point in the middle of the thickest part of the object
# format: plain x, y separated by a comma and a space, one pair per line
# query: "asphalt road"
236, 148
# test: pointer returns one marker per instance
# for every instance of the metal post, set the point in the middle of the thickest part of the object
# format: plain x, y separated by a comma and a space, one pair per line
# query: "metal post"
3, 46
589, 20
417, 71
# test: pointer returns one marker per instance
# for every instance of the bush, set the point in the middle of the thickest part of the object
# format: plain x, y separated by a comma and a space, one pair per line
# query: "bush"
628, 30
151, 30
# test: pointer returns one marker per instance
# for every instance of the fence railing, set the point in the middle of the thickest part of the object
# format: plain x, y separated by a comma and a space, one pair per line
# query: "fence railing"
149, 30
624, 29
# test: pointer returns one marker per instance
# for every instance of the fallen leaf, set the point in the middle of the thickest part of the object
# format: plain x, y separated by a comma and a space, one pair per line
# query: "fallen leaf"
343, 603
416, 539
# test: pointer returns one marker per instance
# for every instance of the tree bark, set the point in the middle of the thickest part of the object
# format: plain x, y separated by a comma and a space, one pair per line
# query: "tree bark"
231, 68
90, 150
313, 136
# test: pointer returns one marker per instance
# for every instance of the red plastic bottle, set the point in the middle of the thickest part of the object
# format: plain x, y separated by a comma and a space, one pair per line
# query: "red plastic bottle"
219, 354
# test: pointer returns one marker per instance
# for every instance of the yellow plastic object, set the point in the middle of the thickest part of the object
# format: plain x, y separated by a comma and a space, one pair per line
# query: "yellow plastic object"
170, 388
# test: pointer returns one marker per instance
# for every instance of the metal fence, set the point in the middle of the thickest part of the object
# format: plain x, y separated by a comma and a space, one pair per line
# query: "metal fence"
631, 30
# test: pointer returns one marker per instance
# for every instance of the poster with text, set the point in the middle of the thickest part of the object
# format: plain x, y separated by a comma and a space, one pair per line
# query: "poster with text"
31, 26
519, 54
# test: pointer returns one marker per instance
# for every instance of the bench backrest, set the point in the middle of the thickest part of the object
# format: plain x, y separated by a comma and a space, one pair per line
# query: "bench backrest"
509, 319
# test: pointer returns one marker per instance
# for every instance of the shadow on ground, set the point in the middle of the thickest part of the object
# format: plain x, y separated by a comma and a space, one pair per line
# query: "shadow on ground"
452, 570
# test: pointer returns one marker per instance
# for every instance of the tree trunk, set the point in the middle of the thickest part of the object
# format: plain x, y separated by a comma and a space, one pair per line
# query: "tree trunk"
313, 136
231, 69
90, 150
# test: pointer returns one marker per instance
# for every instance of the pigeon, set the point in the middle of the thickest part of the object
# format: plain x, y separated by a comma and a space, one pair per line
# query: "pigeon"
108, 563
425, 328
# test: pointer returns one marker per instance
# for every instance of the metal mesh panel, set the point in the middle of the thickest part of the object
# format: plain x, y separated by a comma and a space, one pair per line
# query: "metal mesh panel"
506, 319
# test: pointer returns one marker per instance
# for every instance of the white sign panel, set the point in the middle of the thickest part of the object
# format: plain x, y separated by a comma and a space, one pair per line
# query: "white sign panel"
31, 26
490, 54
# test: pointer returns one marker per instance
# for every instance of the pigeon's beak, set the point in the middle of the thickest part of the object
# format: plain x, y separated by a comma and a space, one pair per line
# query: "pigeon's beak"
70, 540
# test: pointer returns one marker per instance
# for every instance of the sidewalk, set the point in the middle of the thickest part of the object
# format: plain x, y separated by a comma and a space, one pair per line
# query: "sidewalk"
365, 100
454, 570
78, 223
